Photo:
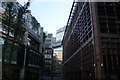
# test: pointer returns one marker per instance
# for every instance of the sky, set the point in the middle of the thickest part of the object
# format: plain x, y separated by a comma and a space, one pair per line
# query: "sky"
51, 15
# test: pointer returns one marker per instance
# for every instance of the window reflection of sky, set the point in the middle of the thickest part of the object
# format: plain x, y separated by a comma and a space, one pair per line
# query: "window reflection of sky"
58, 49
1, 41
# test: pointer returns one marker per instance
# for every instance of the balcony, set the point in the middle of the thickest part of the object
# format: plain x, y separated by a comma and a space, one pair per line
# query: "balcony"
32, 33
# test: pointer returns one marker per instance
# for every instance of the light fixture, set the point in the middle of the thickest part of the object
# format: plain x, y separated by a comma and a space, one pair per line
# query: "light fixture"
80, 67
101, 64
94, 65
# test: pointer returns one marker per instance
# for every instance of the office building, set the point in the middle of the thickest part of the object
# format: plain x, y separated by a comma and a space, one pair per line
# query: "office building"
48, 55
1, 40
58, 53
21, 55
91, 43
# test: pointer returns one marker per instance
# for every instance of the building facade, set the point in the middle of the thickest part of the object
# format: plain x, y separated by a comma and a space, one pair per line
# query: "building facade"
58, 53
1, 41
21, 58
48, 55
91, 43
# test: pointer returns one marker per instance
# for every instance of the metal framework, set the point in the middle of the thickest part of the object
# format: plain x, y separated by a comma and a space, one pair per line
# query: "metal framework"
91, 41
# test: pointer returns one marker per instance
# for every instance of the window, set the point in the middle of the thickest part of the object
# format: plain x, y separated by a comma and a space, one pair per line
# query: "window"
114, 40
48, 56
103, 28
2, 41
105, 40
112, 28
48, 40
48, 61
48, 51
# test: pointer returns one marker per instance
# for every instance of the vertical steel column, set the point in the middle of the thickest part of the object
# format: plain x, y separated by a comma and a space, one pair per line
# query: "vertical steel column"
96, 34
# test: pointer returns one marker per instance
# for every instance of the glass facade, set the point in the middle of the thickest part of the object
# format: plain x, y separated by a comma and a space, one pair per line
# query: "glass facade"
12, 59
59, 34
34, 59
